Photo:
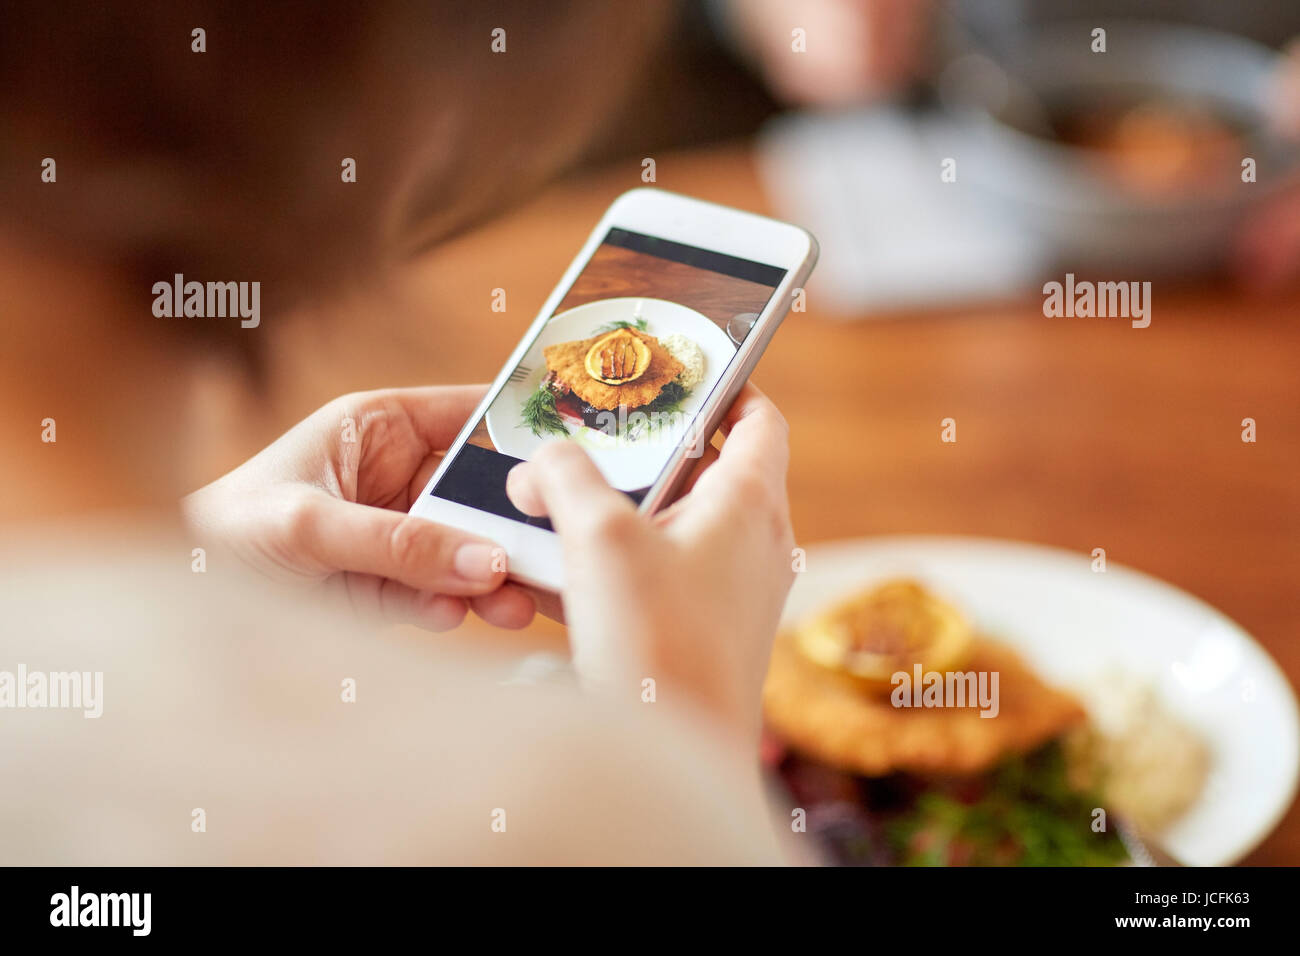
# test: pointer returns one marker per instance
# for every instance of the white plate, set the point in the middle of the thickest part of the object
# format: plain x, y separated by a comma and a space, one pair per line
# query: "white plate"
1075, 625
627, 465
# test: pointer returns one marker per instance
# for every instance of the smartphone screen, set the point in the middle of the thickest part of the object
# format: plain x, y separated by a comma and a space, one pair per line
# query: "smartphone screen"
623, 365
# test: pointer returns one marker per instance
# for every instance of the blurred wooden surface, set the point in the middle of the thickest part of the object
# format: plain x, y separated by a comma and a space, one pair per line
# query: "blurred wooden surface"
1079, 433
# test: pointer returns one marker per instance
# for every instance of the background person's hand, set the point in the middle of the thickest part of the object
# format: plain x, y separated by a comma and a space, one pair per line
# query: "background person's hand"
326, 504
1267, 253
857, 50
690, 597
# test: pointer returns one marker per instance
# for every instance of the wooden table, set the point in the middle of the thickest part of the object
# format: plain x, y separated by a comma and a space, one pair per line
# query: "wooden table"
1079, 433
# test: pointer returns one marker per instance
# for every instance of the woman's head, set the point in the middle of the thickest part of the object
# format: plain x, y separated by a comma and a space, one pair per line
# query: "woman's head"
221, 154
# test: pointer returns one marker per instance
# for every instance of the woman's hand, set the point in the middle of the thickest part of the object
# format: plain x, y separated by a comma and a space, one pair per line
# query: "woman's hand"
326, 504
691, 597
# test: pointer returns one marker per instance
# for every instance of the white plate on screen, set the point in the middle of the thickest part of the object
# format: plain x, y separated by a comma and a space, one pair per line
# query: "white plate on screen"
627, 465
1075, 625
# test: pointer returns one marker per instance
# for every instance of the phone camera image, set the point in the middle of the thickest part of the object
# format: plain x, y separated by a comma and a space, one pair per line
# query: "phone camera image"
622, 367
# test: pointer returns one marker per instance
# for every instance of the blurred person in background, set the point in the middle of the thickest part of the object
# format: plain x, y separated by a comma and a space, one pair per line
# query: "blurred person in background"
249, 712
868, 51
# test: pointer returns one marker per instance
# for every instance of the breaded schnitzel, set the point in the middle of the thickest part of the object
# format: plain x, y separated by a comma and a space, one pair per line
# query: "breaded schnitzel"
568, 362
832, 719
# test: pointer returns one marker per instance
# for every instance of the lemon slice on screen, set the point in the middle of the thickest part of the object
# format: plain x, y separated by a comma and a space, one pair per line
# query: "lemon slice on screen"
618, 358
890, 628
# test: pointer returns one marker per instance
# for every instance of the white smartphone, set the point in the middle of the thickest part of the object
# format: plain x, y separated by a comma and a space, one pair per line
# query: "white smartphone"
636, 356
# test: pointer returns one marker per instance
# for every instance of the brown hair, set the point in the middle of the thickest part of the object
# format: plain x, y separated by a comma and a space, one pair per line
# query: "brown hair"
225, 164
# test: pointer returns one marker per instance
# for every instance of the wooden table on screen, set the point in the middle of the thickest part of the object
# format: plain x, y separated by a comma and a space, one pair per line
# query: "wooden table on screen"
1077, 433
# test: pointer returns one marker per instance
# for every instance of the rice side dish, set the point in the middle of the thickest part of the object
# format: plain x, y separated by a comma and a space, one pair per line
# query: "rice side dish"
689, 354
1150, 764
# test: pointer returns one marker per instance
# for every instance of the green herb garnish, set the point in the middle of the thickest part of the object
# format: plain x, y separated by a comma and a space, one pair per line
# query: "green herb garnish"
669, 400
638, 324
539, 416
1026, 814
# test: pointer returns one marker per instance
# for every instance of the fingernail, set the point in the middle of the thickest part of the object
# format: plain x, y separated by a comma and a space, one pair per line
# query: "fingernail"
517, 474
473, 561
517, 483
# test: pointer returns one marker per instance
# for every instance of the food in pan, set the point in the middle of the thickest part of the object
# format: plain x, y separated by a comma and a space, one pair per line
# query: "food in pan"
1154, 144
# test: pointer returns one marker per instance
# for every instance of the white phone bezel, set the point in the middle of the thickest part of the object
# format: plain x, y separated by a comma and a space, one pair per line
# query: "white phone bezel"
534, 555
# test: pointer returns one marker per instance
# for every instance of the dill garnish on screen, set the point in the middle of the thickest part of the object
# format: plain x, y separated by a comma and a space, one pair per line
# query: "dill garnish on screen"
669, 401
639, 324
539, 416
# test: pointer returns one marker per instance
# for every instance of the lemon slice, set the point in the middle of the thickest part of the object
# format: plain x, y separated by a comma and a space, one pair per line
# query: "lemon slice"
890, 628
618, 358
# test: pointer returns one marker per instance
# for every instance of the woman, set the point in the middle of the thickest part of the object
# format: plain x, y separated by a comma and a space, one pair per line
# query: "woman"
242, 715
